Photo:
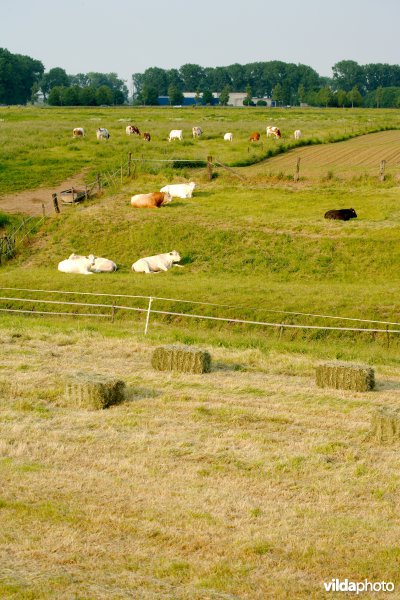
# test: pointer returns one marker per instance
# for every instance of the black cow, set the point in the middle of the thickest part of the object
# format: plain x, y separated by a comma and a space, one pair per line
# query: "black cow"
343, 214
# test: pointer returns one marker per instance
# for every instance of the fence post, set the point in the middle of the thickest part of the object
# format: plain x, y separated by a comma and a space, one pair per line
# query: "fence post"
297, 173
98, 182
55, 203
209, 167
148, 316
382, 170
129, 163
43, 210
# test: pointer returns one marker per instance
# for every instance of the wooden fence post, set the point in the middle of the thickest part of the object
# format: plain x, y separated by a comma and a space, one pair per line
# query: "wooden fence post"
98, 182
297, 173
382, 170
55, 203
209, 167
43, 210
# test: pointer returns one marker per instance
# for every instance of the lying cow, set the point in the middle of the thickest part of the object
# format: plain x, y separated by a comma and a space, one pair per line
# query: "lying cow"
77, 264
254, 137
228, 137
273, 132
152, 200
197, 131
100, 265
175, 134
78, 132
157, 263
132, 129
179, 190
343, 214
102, 133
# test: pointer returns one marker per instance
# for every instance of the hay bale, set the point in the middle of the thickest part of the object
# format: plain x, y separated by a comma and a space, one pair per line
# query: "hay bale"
181, 358
345, 376
85, 390
385, 425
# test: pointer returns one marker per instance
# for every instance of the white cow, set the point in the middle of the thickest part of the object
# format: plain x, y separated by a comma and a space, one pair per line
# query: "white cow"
102, 133
100, 265
297, 134
179, 190
77, 264
78, 132
273, 132
228, 137
175, 134
157, 263
196, 131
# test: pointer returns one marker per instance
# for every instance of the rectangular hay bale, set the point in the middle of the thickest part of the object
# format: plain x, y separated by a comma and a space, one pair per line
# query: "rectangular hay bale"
181, 358
345, 376
87, 390
385, 425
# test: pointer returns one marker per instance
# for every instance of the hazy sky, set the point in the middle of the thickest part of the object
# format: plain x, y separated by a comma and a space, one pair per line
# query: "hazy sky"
127, 36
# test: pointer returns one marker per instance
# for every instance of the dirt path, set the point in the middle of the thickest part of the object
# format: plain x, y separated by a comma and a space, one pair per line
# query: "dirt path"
29, 202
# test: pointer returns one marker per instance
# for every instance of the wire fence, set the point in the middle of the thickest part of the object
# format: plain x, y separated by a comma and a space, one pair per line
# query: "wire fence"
114, 304
12, 240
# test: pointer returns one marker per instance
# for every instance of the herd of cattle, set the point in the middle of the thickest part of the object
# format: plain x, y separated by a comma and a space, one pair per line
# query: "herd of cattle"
177, 134
87, 265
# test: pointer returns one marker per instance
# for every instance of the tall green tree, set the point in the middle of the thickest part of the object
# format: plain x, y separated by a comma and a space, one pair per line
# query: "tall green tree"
224, 96
55, 77
175, 95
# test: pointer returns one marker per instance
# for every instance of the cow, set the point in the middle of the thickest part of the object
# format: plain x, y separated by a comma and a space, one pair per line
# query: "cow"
343, 214
157, 263
273, 132
100, 265
196, 132
255, 137
102, 133
132, 129
297, 134
228, 137
77, 264
175, 134
179, 190
152, 200
146, 136
78, 132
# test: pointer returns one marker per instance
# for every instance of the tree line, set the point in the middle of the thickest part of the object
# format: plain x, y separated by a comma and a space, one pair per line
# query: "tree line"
23, 79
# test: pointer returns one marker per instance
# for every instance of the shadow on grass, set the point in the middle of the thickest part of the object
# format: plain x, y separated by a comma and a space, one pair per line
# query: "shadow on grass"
133, 393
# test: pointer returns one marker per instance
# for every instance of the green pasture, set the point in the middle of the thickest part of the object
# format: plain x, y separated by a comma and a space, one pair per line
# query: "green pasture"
37, 148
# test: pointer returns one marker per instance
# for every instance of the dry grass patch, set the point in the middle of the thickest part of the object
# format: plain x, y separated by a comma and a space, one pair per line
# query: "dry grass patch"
194, 487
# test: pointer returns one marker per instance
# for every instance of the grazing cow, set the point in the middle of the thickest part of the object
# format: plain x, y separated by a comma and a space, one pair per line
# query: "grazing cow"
196, 132
228, 137
255, 137
102, 133
132, 129
157, 263
78, 132
146, 136
179, 190
297, 134
175, 134
343, 214
152, 200
274, 132
77, 264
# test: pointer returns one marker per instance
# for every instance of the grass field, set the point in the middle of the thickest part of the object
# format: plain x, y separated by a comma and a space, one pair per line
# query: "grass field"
248, 482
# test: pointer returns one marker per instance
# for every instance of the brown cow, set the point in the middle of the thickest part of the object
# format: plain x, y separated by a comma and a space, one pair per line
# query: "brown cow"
255, 137
152, 200
78, 132
132, 129
146, 136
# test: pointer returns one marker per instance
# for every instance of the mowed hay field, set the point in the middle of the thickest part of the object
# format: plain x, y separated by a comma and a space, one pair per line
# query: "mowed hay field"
247, 482
244, 483
359, 157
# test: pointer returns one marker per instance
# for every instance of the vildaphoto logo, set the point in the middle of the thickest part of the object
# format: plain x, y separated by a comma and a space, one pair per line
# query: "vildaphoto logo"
358, 587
